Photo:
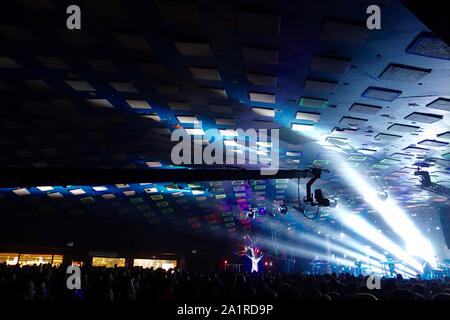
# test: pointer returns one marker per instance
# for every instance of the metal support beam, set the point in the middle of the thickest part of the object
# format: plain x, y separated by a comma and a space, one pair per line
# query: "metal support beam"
28, 177
438, 189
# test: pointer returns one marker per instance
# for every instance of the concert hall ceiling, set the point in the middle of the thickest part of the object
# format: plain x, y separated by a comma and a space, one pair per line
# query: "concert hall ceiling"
109, 96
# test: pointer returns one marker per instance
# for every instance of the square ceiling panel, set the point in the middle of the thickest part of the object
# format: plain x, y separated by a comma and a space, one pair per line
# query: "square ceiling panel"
403, 128
308, 116
428, 45
188, 119
102, 103
352, 122
416, 150
302, 127
343, 33
440, 103
337, 130
194, 49
138, 104
330, 64
357, 158
264, 112
423, 117
378, 166
102, 65
132, 41
433, 143
390, 161
153, 70
195, 132
214, 93
21, 192
54, 63
178, 105
162, 131
63, 103
225, 121
444, 135
260, 55
179, 12
259, 23
80, 85
123, 86
37, 84
228, 132
404, 73
6, 62
262, 97
320, 86
381, 94
151, 116
167, 89
217, 108
262, 79
205, 73
313, 103
386, 137
294, 153
365, 108
366, 151
16, 32
400, 156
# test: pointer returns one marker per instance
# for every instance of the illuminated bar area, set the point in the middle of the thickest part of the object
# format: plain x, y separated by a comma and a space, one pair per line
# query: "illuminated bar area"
42, 256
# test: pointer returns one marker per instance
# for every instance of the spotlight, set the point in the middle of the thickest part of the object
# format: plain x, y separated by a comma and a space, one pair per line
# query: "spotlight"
283, 209
321, 200
424, 177
174, 187
334, 203
393, 215
252, 212
382, 195
318, 199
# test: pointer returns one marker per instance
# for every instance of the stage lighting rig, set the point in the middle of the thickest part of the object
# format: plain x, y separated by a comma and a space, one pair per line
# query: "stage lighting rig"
283, 209
251, 213
279, 206
428, 185
382, 188
318, 198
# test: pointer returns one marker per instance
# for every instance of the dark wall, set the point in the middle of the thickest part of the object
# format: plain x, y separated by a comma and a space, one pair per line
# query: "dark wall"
445, 221
89, 234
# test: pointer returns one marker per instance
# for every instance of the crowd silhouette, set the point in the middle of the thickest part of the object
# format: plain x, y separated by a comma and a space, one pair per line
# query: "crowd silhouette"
46, 282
